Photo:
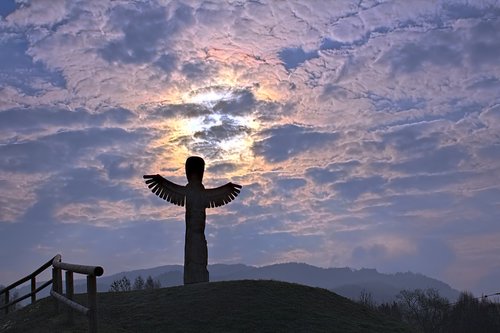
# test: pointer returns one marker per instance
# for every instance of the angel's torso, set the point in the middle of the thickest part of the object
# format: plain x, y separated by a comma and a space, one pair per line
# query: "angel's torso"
195, 207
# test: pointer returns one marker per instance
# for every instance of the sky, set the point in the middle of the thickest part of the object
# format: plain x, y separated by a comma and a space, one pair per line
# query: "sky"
364, 133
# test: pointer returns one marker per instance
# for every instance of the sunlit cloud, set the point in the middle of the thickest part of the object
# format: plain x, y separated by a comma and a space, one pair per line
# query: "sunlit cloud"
364, 134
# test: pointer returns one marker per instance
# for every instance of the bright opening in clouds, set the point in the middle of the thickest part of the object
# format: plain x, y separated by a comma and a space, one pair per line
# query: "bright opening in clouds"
364, 133
210, 96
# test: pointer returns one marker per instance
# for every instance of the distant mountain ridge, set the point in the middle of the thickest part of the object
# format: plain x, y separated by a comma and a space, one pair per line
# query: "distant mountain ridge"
343, 281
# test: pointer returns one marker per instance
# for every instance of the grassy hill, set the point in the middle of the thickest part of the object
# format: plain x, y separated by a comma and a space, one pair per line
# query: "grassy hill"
233, 306
344, 281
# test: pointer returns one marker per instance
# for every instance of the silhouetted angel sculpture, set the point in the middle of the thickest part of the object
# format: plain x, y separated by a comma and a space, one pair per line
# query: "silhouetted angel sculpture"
197, 199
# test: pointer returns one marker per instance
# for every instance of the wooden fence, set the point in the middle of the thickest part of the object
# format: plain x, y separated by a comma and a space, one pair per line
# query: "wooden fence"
34, 290
57, 288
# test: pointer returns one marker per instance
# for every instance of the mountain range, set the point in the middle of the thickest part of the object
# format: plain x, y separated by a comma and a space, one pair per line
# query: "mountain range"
343, 281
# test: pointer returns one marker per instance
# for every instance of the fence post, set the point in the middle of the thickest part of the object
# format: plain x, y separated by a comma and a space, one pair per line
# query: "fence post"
56, 272
6, 302
69, 294
33, 289
92, 300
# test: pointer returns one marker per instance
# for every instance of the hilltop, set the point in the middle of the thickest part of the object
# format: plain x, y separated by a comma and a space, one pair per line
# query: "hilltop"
344, 281
233, 306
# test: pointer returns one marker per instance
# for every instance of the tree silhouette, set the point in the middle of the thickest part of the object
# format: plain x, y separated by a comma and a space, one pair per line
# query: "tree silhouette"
425, 309
122, 284
138, 283
472, 315
151, 284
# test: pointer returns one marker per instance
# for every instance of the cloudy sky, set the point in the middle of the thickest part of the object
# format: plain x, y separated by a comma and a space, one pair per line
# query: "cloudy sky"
364, 133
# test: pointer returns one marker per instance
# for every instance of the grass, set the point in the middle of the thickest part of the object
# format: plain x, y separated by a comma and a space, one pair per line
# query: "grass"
232, 306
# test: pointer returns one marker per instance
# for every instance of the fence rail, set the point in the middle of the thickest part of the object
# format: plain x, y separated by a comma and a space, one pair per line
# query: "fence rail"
34, 290
57, 288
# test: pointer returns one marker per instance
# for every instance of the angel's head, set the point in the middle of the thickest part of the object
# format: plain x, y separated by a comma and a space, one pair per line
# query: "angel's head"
195, 166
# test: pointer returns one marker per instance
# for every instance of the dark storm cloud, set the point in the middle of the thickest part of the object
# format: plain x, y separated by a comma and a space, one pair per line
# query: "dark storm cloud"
144, 25
282, 142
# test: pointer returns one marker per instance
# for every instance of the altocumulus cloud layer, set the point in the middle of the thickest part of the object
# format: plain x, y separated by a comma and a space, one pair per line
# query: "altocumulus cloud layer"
365, 133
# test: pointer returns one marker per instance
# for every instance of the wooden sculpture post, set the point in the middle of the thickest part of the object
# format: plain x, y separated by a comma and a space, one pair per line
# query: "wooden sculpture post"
197, 199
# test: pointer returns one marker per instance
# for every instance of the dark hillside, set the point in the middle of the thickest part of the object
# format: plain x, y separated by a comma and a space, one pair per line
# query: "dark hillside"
233, 306
343, 281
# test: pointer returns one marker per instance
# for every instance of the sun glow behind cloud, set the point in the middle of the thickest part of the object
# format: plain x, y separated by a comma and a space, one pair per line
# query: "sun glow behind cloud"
233, 148
326, 112
209, 96
213, 126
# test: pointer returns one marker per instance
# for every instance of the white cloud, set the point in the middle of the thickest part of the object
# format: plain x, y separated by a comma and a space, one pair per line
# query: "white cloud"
43, 13
18, 194
351, 125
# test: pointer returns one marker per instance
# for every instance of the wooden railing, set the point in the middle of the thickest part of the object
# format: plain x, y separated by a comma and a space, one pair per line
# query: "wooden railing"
57, 288
92, 272
34, 290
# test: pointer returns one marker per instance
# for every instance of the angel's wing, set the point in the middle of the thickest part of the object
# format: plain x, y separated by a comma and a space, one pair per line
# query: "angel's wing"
221, 195
166, 190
